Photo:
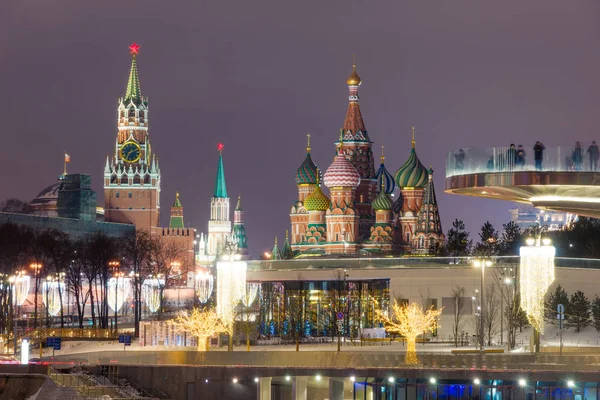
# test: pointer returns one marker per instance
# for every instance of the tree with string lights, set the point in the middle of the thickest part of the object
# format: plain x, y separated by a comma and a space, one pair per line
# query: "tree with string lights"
410, 321
201, 324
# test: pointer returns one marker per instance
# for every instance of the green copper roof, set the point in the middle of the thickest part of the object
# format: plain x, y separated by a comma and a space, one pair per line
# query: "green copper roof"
133, 84
317, 201
287, 252
383, 201
176, 221
177, 203
220, 187
239, 236
275, 253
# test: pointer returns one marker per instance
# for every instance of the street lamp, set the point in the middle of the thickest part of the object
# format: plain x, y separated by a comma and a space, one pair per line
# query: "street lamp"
115, 266
36, 267
482, 264
506, 277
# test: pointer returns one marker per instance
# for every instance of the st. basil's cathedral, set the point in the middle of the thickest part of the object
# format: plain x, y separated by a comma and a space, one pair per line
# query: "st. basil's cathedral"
359, 216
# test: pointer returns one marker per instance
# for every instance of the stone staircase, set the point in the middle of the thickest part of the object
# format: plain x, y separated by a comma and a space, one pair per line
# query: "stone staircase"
76, 387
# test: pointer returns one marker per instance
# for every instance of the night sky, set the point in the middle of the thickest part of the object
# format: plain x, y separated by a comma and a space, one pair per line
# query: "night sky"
259, 75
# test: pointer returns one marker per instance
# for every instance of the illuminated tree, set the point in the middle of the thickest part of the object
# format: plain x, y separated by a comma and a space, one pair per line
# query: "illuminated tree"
202, 325
410, 321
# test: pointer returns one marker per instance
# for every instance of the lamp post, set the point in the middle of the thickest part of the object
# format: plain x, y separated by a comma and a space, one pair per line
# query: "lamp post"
175, 267
507, 278
36, 267
115, 266
482, 264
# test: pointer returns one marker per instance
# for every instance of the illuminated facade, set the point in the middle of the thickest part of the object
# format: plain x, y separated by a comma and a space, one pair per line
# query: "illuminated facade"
356, 217
132, 174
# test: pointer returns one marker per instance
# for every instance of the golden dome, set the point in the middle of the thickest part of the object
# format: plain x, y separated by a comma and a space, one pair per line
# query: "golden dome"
353, 79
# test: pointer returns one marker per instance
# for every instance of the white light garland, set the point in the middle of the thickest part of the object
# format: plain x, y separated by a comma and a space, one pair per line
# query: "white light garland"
204, 286
119, 289
151, 288
20, 288
251, 292
51, 295
536, 273
231, 287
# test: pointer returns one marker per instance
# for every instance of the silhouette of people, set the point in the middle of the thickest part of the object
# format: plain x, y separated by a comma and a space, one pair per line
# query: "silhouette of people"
577, 156
538, 154
594, 153
511, 156
521, 156
460, 159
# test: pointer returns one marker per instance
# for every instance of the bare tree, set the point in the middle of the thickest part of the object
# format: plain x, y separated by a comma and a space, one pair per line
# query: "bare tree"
75, 276
137, 256
295, 312
165, 255
15, 206
458, 303
492, 311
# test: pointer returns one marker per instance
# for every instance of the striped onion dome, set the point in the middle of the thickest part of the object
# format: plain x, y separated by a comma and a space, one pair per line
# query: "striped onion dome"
341, 173
317, 201
382, 174
306, 174
383, 201
412, 174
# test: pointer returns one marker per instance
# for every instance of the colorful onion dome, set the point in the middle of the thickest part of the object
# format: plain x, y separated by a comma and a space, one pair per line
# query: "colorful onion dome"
384, 178
383, 201
354, 79
412, 174
307, 173
317, 201
341, 173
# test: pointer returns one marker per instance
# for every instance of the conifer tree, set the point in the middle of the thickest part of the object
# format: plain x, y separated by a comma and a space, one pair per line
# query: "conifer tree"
596, 312
579, 314
559, 296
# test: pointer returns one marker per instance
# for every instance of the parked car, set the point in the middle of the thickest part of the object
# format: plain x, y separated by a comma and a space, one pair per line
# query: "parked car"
8, 360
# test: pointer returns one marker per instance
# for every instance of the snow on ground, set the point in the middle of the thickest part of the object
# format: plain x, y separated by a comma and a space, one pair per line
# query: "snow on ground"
588, 337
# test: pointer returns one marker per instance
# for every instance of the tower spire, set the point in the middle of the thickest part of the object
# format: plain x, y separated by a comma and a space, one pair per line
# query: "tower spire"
308, 145
133, 91
382, 155
176, 221
220, 187
413, 137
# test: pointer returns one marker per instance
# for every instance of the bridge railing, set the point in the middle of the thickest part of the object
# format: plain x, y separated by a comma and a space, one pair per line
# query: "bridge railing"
506, 159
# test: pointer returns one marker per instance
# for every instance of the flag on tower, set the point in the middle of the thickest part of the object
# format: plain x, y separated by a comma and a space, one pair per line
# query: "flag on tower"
67, 158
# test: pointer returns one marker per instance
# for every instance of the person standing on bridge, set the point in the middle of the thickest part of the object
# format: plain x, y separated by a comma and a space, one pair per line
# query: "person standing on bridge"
511, 157
594, 153
538, 154
577, 156
520, 156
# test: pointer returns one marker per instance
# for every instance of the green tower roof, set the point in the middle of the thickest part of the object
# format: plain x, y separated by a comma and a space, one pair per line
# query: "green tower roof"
220, 187
176, 221
275, 254
287, 252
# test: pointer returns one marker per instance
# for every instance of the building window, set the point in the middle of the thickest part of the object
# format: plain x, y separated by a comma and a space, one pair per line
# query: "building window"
130, 208
130, 195
117, 195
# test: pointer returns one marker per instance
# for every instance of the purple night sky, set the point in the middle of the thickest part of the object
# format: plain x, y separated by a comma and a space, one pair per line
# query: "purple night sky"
258, 76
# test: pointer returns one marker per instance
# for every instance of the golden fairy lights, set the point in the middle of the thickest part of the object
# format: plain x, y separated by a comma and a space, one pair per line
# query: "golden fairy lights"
536, 273
202, 325
410, 321
231, 286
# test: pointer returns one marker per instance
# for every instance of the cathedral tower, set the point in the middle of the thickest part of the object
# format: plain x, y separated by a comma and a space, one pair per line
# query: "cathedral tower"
132, 174
356, 145
219, 225
239, 230
342, 179
429, 234
411, 178
306, 181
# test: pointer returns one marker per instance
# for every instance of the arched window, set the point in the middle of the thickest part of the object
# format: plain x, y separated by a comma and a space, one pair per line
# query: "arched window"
421, 242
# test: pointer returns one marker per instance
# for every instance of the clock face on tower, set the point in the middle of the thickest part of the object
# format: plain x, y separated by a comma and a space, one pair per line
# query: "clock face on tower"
131, 152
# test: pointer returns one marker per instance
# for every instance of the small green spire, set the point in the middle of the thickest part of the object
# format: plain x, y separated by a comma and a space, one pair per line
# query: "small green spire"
133, 91
275, 254
220, 187
287, 252
238, 207
176, 221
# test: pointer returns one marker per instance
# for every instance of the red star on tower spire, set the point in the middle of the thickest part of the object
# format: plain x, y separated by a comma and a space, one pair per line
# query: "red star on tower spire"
134, 49
220, 147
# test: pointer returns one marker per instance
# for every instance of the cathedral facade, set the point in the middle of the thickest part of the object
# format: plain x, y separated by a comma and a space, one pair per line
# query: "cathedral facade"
360, 215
